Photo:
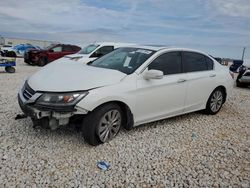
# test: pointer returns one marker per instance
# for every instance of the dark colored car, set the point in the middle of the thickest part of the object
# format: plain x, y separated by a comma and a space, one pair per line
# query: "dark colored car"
236, 64
243, 78
218, 59
18, 50
51, 53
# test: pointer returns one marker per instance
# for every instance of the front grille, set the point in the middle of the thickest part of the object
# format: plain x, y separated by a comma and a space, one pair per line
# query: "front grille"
27, 91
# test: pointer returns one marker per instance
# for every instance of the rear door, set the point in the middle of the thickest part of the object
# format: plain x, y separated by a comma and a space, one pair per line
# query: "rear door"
200, 78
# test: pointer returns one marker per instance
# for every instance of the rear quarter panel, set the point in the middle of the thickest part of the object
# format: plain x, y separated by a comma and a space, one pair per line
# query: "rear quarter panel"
224, 78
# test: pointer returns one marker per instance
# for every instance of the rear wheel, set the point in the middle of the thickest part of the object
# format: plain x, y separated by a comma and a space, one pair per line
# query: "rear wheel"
10, 54
10, 69
215, 101
103, 124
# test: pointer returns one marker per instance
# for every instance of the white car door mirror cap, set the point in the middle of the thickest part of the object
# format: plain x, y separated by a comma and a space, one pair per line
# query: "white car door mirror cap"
153, 74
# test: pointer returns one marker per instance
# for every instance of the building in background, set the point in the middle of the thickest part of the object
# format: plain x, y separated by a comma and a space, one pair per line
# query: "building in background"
16, 41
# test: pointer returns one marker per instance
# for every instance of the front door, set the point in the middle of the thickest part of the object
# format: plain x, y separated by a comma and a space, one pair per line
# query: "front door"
55, 53
161, 98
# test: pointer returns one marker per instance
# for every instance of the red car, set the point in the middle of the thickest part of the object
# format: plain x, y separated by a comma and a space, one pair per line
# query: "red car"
51, 53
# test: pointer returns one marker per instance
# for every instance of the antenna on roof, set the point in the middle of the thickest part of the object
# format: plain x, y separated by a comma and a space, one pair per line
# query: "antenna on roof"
243, 53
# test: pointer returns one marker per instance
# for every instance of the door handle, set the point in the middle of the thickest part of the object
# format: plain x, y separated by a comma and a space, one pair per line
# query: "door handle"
181, 80
212, 75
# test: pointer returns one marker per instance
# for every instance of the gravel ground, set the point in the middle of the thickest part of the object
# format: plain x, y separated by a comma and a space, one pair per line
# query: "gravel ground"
192, 150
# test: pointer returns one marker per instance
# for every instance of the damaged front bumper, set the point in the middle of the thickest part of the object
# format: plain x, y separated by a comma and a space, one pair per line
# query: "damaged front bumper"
51, 116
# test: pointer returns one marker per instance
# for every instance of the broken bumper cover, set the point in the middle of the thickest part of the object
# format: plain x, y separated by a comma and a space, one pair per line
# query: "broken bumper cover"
56, 116
39, 111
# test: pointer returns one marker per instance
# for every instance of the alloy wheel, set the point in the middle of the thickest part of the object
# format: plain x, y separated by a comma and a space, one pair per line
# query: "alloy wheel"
109, 125
216, 101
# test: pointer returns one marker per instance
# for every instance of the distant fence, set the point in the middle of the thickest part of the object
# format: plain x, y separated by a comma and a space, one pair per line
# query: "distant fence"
16, 41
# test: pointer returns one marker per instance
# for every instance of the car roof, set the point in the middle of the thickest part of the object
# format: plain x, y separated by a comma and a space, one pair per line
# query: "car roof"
113, 44
149, 47
163, 47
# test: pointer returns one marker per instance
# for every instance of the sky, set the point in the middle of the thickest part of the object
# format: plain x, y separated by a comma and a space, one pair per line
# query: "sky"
218, 27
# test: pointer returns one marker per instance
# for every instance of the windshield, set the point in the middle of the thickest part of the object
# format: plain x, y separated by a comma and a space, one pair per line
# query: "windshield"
125, 60
18, 46
88, 49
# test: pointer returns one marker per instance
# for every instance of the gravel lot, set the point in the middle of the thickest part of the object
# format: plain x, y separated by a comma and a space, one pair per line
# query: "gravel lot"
187, 151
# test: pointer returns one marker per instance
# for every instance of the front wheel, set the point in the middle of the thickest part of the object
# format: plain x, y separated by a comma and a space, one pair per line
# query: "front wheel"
42, 61
103, 124
215, 101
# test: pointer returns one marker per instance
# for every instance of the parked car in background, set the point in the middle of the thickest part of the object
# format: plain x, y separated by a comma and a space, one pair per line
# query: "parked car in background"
4, 49
243, 78
51, 53
127, 87
19, 50
94, 51
235, 66
218, 59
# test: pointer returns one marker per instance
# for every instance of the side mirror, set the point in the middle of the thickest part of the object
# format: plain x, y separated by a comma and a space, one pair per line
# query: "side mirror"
51, 50
153, 74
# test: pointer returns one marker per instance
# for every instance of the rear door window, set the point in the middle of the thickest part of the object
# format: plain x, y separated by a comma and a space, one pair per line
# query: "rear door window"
193, 62
210, 63
67, 48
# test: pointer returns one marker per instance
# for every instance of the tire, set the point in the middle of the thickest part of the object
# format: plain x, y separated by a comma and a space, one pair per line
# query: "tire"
11, 54
239, 84
97, 127
27, 62
42, 61
10, 69
215, 101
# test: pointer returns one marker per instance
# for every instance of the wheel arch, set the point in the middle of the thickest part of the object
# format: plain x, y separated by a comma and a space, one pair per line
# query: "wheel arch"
128, 121
223, 88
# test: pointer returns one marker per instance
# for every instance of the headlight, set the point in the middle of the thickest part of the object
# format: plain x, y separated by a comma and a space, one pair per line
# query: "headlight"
60, 99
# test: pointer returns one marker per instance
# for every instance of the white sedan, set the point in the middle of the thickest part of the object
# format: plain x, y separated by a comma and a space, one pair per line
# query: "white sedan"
125, 88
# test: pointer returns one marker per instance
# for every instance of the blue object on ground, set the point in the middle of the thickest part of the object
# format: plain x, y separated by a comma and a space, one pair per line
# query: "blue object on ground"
8, 63
103, 165
194, 135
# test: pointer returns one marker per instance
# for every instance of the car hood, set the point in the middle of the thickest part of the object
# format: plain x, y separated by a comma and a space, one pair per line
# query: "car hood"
72, 76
